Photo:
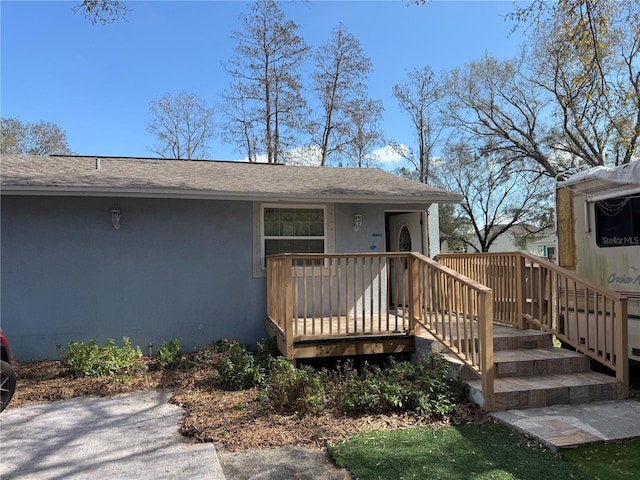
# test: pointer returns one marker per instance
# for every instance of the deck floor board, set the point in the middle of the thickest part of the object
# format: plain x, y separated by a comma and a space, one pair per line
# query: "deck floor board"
341, 326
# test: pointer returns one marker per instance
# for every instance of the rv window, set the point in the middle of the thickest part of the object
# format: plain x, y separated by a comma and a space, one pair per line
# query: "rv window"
618, 222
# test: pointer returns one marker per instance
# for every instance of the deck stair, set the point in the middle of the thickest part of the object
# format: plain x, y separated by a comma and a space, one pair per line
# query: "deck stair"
530, 373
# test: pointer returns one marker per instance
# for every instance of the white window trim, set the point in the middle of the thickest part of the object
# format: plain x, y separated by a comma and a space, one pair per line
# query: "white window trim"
259, 270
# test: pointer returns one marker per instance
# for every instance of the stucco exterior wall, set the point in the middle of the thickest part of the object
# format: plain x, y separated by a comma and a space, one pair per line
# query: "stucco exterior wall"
175, 269
370, 237
433, 230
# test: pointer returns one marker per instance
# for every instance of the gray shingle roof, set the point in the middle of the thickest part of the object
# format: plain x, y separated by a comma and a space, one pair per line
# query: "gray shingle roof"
73, 175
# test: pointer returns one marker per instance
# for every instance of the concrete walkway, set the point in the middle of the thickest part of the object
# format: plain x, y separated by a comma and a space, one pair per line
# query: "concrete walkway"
135, 436
132, 436
567, 426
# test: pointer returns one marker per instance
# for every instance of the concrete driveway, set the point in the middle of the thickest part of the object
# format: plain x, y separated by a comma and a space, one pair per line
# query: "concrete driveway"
131, 436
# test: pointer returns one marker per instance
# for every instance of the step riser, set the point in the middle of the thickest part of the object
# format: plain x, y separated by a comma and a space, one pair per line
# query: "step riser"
555, 396
525, 368
523, 343
552, 396
512, 343
542, 367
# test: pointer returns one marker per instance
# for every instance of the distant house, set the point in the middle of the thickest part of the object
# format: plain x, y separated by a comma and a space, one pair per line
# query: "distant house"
517, 238
97, 248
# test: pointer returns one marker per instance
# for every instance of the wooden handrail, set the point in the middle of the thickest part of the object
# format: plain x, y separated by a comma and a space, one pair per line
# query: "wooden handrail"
530, 290
346, 295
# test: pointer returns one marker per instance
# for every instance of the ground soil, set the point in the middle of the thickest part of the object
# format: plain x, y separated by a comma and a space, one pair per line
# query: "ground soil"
233, 421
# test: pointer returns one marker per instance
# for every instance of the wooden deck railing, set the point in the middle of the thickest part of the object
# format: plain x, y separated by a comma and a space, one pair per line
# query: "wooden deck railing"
530, 290
351, 296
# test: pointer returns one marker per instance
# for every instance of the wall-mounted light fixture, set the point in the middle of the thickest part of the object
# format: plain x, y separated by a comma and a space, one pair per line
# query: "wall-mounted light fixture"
115, 216
357, 222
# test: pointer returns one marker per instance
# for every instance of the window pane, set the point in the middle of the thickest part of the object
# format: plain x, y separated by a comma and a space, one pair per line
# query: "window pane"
271, 229
316, 246
293, 222
635, 216
615, 222
271, 247
316, 215
301, 246
404, 240
302, 215
270, 215
276, 246
297, 223
316, 229
288, 229
302, 229
287, 222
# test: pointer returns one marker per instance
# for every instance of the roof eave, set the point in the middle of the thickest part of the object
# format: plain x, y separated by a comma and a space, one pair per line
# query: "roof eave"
437, 197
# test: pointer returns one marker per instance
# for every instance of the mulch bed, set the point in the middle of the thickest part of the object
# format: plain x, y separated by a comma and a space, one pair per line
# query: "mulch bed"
231, 420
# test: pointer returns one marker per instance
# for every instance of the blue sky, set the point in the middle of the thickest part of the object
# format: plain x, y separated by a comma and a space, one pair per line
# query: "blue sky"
96, 81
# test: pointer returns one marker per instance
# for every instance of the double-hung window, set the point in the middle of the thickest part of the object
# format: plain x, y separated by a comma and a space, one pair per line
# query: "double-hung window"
293, 229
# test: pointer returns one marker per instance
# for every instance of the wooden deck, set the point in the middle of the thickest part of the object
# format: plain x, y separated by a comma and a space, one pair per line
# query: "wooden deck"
354, 304
321, 305
344, 335
348, 325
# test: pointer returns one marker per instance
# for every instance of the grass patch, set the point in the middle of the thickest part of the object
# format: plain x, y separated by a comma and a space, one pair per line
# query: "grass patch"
610, 461
484, 452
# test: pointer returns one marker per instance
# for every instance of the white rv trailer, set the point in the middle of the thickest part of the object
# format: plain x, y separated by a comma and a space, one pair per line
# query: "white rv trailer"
598, 226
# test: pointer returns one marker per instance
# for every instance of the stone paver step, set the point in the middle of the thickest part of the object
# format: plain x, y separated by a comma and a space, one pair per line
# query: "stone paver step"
538, 361
541, 391
530, 373
508, 338
563, 426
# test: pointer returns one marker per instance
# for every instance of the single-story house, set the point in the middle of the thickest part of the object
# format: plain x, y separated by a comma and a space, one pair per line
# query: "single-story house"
153, 249
518, 239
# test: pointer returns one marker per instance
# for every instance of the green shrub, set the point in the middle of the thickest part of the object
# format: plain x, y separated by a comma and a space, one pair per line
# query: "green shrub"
266, 351
426, 386
235, 366
88, 359
170, 355
292, 390
402, 386
368, 391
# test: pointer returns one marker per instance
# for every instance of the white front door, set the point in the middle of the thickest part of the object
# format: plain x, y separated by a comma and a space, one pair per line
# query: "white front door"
405, 232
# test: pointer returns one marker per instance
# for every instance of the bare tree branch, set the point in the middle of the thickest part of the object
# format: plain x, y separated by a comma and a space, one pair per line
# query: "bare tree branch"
102, 11
341, 69
419, 97
499, 193
182, 126
265, 98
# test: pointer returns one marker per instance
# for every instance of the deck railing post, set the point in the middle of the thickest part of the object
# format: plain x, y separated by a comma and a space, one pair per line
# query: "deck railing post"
621, 352
521, 291
414, 294
287, 288
485, 331
270, 289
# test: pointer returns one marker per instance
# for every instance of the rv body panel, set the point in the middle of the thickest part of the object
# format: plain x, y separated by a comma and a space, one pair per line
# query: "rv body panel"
598, 226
